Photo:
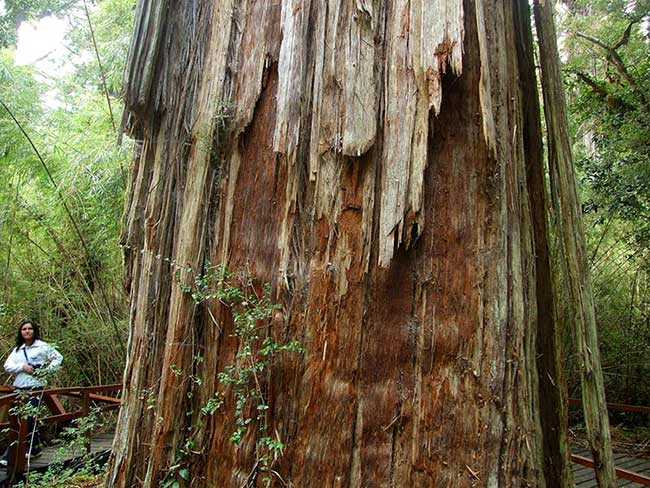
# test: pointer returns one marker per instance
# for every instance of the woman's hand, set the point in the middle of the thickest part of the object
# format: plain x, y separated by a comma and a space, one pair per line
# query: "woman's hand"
28, 368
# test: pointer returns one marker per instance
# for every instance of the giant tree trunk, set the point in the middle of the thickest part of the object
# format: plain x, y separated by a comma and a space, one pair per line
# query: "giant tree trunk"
379, 164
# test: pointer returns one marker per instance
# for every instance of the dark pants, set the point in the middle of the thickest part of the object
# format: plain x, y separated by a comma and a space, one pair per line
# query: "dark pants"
33, 437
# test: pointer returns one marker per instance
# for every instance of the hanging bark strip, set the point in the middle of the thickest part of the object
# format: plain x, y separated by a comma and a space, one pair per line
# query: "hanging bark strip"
367, 158
571, 233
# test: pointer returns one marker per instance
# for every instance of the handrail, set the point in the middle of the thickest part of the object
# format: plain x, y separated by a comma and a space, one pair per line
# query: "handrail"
620, 472
615, 406
18, 427
68, 391
60, 417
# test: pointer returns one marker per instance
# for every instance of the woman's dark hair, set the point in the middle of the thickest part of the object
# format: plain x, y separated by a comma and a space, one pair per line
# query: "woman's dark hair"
19, 337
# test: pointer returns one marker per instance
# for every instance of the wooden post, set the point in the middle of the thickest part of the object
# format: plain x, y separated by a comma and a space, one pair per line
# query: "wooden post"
17, 437
86, 412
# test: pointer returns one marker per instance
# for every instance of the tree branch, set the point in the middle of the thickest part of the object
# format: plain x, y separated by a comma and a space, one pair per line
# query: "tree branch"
615, 59
99, 62
103, 76
625, 38
611, 100
589, 81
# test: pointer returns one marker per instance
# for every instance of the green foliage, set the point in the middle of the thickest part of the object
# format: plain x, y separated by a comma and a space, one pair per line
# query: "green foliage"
74, 291
61, 477
17, 11
607, 72
85, 471
242, 384
112, 24
58, 475
76, 435
178, 472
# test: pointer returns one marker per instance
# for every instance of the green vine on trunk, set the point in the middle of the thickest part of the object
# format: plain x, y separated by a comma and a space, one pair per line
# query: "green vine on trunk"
243, 383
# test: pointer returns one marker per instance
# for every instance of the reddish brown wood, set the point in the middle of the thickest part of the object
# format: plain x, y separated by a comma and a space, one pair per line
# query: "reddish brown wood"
13, 436
54, 404
61, 417
76, 391
616, 406
90, 389
103, 398
620, 472
17, 437
17, 448
65, 416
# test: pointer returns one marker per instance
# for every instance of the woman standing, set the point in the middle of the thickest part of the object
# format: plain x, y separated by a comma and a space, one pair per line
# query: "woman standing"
31, 361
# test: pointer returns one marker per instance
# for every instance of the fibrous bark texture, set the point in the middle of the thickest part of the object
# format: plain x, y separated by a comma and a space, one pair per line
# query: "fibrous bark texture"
372, 161
571, 234
552, 386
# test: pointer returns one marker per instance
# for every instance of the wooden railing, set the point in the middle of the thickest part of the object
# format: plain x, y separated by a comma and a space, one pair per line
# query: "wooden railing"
18, 430
50, 397
621, 473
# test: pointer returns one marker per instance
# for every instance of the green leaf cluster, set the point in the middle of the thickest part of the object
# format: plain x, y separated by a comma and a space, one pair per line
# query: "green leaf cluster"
606, 45
242, 385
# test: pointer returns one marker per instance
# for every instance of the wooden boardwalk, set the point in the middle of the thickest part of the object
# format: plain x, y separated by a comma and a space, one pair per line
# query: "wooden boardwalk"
584, 477
59, 453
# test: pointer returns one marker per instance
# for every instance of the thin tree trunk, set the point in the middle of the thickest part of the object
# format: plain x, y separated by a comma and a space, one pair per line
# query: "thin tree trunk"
552, 385
367, 158
9, 247
571, 234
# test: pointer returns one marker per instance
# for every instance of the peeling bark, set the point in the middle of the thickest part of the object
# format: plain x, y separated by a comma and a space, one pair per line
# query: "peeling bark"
370, 160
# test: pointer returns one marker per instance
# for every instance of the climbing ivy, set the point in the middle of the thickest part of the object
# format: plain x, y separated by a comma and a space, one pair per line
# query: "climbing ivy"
242, 383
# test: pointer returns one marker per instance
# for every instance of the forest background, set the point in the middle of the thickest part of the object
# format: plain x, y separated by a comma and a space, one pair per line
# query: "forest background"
61, 212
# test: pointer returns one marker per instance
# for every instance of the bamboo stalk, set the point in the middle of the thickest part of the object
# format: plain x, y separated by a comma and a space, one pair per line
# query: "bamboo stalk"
84, 245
